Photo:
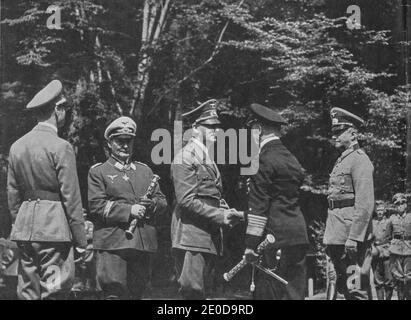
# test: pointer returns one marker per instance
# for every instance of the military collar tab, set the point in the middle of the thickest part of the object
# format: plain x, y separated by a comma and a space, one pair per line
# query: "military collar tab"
121, 166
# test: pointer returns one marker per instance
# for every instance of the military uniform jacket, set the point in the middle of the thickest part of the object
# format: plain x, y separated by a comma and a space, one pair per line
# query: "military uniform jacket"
41, 162
113, 188
399, 227
274, 196
381, 236
351, 178
197, 215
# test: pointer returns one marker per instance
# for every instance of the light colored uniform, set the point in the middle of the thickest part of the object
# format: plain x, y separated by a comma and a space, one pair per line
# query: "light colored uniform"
44, 199
351, 204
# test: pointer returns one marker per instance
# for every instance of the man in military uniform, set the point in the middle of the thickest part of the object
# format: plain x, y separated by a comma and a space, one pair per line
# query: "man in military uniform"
199, 209
44, 199
351, 204
274, 209
399, 228
380, 254
116, 196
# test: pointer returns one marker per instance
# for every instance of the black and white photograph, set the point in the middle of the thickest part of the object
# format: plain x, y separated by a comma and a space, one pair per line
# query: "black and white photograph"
228, 151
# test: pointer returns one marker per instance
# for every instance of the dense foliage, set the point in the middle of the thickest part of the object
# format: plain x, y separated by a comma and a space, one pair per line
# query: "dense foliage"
154, 59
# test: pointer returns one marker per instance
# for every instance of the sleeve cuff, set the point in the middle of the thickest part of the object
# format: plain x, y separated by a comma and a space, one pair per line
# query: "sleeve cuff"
107, 210
79, 235
256, 225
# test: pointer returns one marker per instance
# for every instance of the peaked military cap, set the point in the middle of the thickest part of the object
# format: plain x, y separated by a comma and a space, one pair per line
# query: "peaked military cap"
399, 198
379, 203
342, 119
205, 113
121, 126
47, 96
266, 114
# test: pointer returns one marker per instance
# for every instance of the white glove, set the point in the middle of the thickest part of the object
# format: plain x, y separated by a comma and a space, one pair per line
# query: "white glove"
138, 211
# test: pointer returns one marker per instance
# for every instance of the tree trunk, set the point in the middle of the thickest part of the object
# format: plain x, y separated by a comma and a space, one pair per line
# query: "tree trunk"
154, 17
406, 19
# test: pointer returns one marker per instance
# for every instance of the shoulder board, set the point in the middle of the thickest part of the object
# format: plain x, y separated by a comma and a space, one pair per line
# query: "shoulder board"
360, 151
96, 165
141, 163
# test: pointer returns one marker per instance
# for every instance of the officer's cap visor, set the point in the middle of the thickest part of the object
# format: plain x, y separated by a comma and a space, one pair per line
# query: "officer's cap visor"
400, 201
210, 122
124, 135
338, 129
62, 103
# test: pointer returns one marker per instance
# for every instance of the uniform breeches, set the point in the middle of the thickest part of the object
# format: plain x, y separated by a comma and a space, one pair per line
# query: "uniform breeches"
400, 267
291, 267
194, 273
122, 274
45, 270
382, 273
353, 280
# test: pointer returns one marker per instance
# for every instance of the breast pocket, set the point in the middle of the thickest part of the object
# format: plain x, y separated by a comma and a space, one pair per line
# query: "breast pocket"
206, 185
345, 183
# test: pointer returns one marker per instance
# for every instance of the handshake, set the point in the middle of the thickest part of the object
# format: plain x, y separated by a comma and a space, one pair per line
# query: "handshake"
232, 217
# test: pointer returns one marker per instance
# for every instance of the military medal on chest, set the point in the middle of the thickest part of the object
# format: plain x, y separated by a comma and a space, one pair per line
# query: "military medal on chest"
125, 177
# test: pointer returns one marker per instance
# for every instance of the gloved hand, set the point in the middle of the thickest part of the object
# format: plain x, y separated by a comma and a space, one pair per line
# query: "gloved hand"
233, 217
147, 202
374, 251
84, 255
89, 226
138, 211
351, 247
250, 256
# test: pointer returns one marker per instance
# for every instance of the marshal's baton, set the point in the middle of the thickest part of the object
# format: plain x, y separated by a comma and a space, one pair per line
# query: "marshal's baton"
149, 193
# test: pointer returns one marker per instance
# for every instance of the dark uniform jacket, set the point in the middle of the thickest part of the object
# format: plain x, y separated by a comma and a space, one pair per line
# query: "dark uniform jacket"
197, 215
112, 190
43, 189
399, 227
274, 196
351, 179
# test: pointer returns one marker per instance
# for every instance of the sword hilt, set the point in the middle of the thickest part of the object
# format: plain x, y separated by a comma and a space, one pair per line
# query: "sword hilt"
264, 244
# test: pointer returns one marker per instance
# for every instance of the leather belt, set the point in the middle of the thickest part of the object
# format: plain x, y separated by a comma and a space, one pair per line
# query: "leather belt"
41, 195
335, 204
402, 237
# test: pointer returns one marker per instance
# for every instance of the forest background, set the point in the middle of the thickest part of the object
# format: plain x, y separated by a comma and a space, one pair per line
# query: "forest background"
153, 60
